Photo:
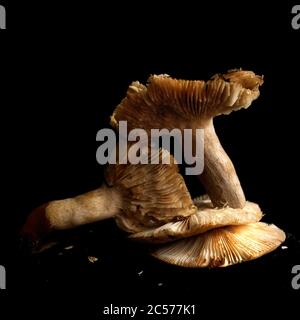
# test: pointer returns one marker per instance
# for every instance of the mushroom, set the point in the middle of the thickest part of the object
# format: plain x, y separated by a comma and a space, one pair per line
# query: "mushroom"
223, 247
145, 196
213, 237
152, 202
206, 218
171, 103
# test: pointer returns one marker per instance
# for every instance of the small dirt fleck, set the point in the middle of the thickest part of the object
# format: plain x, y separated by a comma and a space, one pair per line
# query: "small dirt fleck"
69, 247
92, 259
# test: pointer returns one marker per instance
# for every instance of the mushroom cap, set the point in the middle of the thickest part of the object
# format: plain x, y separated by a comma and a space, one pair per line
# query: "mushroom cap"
170, 103
206, 218
152, 194
223, 247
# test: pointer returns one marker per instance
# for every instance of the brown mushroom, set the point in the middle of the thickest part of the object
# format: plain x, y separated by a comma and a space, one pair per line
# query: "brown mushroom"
206, 218
223, 247
171, 103
152, 202
137, 196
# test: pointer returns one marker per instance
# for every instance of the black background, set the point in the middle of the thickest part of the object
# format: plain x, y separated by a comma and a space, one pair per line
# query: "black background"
64, 68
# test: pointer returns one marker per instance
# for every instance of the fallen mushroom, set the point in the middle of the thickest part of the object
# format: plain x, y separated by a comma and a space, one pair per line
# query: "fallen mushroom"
206, 218
137, 196
171, 103
154, 205
223, 247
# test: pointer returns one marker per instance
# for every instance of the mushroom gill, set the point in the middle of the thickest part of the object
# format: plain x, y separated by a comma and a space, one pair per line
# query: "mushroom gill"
223, 247
206, 218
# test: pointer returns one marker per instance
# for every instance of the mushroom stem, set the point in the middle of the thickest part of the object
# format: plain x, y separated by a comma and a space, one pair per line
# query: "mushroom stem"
219, 177
96, 205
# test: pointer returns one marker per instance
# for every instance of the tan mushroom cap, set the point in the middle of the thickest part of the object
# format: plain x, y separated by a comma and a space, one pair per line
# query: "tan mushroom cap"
223, 247
171, 103
152, 194
206, 218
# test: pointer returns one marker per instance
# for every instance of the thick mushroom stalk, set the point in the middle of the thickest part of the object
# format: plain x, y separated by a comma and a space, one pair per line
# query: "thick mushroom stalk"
219, 176
96, 205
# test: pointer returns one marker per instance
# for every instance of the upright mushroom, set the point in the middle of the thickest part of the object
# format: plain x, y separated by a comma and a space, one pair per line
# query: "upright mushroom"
171, 103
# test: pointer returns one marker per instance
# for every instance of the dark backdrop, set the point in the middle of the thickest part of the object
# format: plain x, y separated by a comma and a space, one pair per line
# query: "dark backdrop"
64, 68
